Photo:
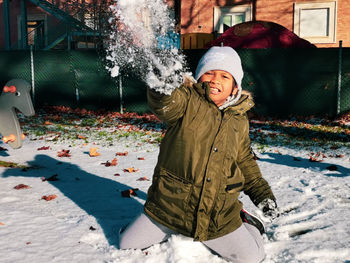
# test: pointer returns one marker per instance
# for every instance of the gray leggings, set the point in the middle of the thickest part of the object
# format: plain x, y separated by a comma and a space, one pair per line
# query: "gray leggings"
245, 244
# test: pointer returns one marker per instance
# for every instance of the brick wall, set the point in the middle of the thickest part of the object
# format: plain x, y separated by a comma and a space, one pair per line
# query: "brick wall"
15, 13
197, 15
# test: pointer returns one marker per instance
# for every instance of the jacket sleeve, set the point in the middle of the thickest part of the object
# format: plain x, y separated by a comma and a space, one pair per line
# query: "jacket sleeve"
169, 108
255, 186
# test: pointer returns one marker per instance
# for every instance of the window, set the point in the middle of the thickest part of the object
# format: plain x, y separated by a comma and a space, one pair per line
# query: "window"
36, 33
36, 30
227, 16
315, 21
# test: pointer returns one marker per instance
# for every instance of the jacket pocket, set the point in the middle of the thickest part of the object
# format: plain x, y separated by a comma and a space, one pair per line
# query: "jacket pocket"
172, 193
232, 187
235, 182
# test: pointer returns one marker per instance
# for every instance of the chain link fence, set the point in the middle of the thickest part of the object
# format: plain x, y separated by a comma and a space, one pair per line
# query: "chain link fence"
283, 81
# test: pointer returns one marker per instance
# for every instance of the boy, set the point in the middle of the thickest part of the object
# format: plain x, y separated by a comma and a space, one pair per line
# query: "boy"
205, 160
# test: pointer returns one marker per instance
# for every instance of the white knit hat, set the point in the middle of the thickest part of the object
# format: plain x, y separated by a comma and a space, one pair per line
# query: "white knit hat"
222, 58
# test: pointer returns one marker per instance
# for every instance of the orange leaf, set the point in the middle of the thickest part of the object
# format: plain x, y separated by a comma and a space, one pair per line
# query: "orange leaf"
10, 138
131, 170
21, 186
141, 158
2, 224
114, 162
93, 152
81, 137
49, 197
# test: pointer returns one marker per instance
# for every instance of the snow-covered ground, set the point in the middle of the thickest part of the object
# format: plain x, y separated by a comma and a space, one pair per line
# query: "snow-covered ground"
81, 223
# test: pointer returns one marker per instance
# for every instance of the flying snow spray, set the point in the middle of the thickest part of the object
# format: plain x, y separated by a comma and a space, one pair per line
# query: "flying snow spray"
133, 44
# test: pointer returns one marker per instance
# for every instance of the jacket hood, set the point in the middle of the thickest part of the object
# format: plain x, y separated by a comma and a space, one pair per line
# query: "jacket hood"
244, 103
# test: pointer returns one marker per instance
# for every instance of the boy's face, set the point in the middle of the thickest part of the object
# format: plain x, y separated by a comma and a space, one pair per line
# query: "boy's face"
221, 83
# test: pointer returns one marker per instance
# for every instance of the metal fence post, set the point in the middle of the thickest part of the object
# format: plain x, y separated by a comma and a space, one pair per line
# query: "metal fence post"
339, 74
121, 94
32, 72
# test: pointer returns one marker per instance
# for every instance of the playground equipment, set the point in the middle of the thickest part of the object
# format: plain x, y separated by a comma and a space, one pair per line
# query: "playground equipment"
15, 95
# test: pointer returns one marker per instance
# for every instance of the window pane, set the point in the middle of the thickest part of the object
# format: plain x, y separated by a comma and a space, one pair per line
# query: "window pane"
239, 18
314, 22
227, 20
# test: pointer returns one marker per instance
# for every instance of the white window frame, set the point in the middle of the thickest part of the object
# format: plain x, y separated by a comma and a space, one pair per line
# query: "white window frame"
331, 6
221, 11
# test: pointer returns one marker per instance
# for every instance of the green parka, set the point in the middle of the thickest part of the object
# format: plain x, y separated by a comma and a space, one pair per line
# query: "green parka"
205, 160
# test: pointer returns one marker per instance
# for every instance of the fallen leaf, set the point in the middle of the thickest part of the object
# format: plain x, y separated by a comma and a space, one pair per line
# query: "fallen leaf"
92, 228
64, 153
313, 159
2, 224
21, 186
28, 243
49, 197
51, 178
131, 170
129, 192
116, 174
8, 164
143, 179
332, 168
114, 162
93, 152
141, 158
121, 153
81, 137
316, 157
43, 148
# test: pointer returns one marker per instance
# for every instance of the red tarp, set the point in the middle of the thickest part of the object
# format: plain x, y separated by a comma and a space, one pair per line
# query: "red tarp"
259, 34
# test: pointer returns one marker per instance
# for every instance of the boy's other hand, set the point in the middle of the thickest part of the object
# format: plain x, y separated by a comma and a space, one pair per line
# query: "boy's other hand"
269, 208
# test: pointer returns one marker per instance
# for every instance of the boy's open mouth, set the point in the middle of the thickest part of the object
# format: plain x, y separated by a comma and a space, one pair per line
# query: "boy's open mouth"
215, 90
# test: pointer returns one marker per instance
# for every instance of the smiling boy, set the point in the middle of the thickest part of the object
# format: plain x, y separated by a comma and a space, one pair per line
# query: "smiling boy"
205, 161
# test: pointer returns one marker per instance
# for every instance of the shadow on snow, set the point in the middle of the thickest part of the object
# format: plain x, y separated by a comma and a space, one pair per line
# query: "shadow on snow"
299, 162
99, 197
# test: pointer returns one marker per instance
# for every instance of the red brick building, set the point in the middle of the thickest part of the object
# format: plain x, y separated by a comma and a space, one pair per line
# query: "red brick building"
50, 24
322, 22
